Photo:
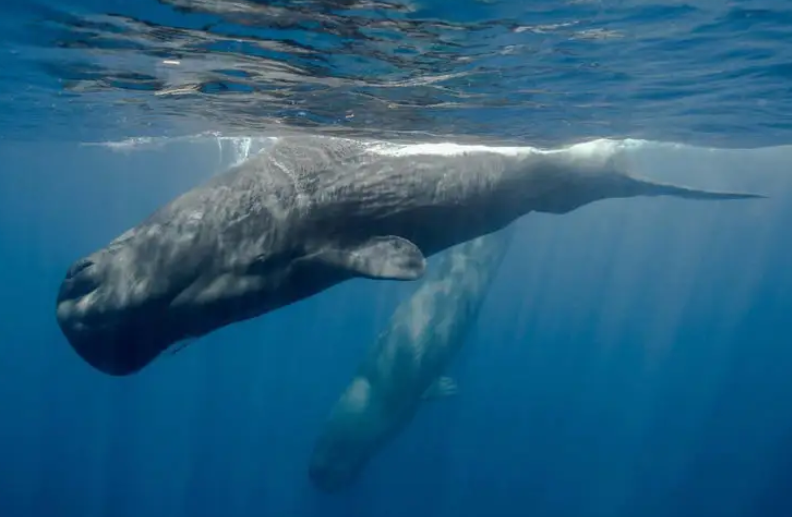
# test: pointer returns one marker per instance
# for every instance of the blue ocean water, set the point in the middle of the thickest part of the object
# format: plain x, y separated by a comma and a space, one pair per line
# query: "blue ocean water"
632, 358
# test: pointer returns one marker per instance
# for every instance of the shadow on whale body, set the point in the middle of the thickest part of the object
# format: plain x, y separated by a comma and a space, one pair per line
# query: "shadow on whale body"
306, 214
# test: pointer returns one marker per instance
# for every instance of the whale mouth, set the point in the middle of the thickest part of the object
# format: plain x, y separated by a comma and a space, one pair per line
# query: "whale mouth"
96, 348
113, 347
115, 341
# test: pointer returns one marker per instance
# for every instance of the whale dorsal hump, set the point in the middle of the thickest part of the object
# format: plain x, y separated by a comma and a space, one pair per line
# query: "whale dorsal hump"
385, 258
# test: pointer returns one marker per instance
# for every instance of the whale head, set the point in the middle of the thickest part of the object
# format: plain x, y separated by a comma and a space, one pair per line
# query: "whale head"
114, 306
173, 278
337, 465
358, 426
219, 254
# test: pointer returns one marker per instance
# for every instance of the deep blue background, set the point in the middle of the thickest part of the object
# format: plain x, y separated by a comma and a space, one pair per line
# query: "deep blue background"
632, 358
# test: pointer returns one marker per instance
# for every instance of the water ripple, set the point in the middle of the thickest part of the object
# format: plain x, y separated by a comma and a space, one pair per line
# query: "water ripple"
545, 72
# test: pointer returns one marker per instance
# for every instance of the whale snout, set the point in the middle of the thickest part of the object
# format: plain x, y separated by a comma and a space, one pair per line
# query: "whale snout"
113, 337
105, 349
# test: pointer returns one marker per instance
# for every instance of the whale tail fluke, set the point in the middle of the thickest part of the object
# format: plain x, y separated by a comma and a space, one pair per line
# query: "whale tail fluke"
652, 188
624, 186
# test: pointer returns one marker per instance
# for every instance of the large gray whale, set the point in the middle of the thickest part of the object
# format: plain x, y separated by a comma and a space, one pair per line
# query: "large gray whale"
405, 366
306, 214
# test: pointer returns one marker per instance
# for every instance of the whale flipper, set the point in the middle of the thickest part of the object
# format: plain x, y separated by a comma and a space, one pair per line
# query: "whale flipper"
441, 388
384, 258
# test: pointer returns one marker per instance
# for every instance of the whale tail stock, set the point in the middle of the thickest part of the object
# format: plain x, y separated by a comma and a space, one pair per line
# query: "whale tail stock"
644, 187
624, 186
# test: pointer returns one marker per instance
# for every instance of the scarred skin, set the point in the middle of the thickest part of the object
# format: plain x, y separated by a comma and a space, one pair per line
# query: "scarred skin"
423, 336
303, 216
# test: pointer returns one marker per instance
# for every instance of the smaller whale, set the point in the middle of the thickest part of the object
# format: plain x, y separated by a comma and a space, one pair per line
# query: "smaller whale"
405, 365
306, 214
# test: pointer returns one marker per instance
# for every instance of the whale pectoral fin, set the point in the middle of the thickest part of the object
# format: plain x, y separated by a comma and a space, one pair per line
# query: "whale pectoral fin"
383, 258
441, 388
